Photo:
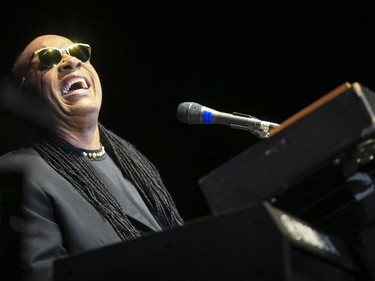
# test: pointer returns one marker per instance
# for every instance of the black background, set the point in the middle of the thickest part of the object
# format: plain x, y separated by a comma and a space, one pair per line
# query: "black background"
265, 58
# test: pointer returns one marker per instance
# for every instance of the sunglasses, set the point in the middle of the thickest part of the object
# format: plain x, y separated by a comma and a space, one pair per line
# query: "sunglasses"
51, 56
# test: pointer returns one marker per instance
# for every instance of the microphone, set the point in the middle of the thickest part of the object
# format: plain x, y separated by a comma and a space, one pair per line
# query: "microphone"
194, 113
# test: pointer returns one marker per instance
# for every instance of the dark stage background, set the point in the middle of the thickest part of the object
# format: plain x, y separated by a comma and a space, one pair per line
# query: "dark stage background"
265, 58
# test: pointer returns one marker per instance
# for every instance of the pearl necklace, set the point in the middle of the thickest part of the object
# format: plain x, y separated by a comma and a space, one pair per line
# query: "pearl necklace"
94, 154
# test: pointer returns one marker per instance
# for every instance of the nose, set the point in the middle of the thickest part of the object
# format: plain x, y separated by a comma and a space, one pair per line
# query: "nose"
69, 62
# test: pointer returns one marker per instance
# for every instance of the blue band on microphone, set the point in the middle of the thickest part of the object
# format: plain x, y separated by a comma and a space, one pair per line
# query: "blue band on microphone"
207, 117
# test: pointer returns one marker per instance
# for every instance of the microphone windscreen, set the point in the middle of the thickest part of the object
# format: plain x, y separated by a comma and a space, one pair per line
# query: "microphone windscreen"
189, 112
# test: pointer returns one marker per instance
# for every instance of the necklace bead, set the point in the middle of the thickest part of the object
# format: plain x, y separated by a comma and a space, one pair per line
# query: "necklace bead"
94, 155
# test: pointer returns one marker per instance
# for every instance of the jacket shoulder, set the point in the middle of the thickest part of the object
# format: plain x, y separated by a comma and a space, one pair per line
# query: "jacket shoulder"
21, 159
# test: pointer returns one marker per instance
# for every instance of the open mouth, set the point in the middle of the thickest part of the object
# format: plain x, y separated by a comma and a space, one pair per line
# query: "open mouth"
74, 85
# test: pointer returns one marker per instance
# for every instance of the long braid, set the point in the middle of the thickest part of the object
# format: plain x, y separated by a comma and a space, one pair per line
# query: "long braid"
144, 176
68, 161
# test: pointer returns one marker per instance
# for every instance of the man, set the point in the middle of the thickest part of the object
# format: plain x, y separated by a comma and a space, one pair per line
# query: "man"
85, 187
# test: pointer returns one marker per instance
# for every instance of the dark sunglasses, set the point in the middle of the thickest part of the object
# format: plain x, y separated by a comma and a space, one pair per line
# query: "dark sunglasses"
51, 56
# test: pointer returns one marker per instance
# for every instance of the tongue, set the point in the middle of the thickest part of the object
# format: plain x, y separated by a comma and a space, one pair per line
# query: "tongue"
75, 86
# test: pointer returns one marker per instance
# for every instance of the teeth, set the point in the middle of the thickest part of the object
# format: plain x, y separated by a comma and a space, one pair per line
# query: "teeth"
68, 84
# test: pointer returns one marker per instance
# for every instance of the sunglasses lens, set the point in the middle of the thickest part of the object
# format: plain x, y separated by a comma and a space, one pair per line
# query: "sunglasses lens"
81, 52
49, 57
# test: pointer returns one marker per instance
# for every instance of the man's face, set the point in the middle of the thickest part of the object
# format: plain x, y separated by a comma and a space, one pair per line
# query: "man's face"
71, 87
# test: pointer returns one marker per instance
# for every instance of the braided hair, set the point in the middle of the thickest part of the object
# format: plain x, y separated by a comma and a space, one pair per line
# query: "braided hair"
69, 162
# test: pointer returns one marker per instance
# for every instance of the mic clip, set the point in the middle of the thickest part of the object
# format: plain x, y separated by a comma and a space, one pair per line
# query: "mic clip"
258, 132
